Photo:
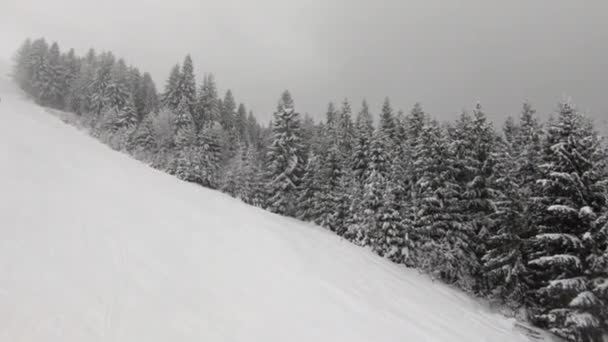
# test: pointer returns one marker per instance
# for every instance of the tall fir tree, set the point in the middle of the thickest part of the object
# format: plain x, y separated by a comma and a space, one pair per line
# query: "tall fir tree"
569, 256
208, 109
285, 160
172, 96
364, 131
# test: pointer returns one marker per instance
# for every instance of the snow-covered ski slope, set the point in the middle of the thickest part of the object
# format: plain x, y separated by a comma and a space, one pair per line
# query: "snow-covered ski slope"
95, 246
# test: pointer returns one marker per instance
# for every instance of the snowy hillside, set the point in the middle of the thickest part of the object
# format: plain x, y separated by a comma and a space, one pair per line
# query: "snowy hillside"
95, 246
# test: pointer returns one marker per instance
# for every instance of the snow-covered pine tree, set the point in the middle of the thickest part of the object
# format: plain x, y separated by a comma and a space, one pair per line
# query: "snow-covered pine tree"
505, 262
228, 112
53, 79
184, 126
253, 178
364, 131
370, 232
569, 257
172, 96
187, 84
210, 157
233, 182
308, 206
117, 90
345, 131
240, 124
128, 116
150, 96
143, 141
37, 68
253, 131
328, 196
79, 92
22, 73
388, 124
473, 144
207, 104
285, 162
440, 234
184, 143
98, 95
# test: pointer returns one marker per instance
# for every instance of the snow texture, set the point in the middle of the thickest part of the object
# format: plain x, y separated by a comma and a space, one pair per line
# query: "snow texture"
98, 247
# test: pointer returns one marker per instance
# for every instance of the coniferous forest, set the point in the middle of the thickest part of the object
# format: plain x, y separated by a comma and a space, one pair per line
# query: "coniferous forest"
516, 214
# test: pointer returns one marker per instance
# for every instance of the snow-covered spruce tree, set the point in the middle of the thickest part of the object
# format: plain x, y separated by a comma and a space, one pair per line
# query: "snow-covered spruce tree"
328, 196
254, 182
228, 112
142, 143
37, 68
99, 88
22, 73
570, 256
285, 162
233, 177
207, 109
370, 232
441, 234
253, 132
150, 96
79, 92
345, 131
473, 142
308, 206
184, 143
71, 67
505, 263
134, 80
187, 85
172, 96
53, 80
116, 92
240, 124
388, 124
210, 157
364, 131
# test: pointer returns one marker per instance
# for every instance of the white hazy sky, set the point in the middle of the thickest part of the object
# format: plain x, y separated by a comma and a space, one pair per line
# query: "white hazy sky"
446, 54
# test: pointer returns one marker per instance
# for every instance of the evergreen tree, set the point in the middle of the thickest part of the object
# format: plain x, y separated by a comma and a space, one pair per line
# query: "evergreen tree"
241, 123
99, 98
127, 116
116, 93
210, 152
22, 72
345, 130
285, 160
172, 96
149, 95
441, 236
569, 255
516, 172
328, 197
228, 112
388, 125
253, 132
207, 107
309, 208
364, 130
143, 138
184, 125
187, 84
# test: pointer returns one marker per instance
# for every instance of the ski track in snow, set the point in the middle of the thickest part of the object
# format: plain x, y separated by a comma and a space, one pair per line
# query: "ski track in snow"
95, 246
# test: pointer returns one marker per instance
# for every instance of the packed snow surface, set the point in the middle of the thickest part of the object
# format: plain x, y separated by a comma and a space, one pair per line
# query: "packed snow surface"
95, 246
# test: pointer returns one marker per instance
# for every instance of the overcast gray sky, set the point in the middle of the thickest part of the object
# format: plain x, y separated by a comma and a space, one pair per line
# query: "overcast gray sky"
446, 54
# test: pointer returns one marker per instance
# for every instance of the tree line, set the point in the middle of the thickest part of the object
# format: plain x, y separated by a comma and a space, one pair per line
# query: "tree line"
518, 215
